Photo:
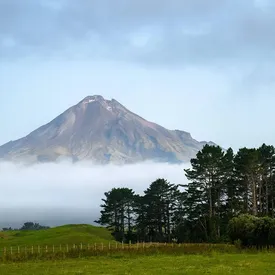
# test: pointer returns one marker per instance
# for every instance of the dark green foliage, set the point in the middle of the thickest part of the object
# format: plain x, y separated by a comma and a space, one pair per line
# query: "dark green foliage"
151, 217
252, 231
7, 229
117, 213
33, 226
206, 190
243, 228
27, 226
221, 186
160, 201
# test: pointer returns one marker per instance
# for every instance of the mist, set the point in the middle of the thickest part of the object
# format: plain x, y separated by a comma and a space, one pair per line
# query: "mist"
54, 194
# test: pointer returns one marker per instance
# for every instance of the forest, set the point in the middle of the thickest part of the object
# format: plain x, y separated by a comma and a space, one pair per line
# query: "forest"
229, 197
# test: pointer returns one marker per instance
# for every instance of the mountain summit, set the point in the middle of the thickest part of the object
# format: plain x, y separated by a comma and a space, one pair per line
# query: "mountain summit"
103, 131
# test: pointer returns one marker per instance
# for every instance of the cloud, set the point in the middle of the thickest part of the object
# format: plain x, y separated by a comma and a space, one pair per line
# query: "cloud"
177, 32
56, 194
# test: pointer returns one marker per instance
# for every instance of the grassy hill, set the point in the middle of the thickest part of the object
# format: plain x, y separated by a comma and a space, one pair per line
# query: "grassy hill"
67, 234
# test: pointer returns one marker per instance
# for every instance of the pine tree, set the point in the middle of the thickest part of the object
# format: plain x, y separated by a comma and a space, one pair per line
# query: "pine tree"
206, 189
159, 201
266, 188
117, 212
221, 186
247, 172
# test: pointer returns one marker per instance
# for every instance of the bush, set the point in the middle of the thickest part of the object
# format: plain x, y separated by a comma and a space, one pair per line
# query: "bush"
252, 231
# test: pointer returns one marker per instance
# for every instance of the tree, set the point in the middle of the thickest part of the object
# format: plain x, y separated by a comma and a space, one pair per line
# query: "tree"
205, 190
117, 212
141, 220
33, 226
266, 188
7, 229
160, 201
242, 228
222, 186
247, 171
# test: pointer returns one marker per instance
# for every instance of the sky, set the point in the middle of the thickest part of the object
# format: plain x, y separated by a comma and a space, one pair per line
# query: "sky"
203, 66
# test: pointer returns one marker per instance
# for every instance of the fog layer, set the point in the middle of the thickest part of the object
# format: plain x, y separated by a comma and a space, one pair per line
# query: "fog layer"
56, 194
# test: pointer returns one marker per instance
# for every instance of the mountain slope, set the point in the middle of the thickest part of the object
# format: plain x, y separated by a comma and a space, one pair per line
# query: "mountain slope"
102, 131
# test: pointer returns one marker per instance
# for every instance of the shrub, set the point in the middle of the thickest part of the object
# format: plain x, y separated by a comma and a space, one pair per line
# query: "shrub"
252, 231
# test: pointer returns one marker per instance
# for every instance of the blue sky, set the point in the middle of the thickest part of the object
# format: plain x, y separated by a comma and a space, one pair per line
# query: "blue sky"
204, 66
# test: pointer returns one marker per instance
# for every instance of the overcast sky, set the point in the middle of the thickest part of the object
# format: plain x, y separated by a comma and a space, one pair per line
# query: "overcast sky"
204, 66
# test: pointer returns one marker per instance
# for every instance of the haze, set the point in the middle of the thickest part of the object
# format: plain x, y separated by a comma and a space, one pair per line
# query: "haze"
56, 194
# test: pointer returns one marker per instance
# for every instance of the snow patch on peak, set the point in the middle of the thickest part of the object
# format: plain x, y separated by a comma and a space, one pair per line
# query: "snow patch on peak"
107, 104
90, 99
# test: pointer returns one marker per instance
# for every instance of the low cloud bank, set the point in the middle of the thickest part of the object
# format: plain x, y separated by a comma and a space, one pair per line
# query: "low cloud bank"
56, 194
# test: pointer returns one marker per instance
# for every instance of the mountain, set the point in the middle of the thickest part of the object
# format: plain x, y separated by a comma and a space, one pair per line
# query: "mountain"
103, 131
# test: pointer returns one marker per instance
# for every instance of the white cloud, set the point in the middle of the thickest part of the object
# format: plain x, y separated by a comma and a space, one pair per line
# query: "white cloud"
67, 193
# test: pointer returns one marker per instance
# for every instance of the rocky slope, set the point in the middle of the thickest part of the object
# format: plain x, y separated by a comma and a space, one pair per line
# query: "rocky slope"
103, 131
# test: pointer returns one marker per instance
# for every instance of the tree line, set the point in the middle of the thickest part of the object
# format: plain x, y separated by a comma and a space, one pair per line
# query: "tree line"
222, 185
27, 226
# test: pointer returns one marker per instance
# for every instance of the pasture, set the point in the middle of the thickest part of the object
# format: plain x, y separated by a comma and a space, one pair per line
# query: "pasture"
216, 263
85, 249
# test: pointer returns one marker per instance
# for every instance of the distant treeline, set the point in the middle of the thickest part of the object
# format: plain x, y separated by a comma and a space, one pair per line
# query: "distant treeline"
27, 226
221, 186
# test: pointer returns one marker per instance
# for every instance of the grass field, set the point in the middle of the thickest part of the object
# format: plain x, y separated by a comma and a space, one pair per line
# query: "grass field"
136, 259
68, 234
237, 264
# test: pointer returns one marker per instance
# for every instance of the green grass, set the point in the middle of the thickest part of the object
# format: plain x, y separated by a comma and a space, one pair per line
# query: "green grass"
237, 264
62, 235
158, 259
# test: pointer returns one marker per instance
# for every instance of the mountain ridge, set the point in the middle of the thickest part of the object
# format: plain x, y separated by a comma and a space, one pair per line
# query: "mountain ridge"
103, 131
